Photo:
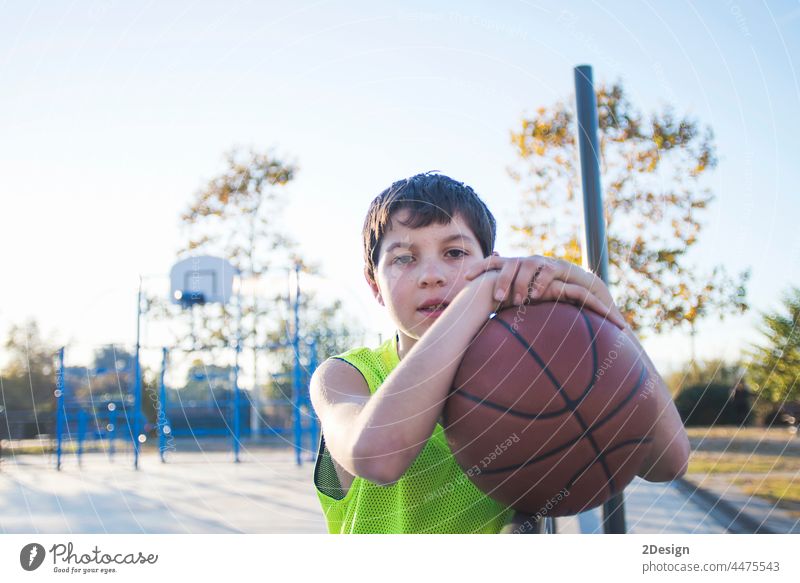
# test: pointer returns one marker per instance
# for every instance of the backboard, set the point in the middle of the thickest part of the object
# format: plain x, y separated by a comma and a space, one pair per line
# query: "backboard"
202, 280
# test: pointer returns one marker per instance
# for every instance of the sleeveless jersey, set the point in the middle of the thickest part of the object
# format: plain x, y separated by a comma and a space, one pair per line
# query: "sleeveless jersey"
433, 496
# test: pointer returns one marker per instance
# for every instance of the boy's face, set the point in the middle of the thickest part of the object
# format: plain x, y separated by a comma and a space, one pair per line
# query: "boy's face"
419, 266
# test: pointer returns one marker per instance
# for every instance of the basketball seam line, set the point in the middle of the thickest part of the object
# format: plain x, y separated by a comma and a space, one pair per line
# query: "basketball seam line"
569, 402
572, 441
637, 441
491, 404
606, 469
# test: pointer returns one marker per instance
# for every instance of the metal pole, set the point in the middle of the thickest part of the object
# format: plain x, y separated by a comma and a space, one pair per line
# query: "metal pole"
81, 435
236, 394
256, 410
312, 366
594, 220
61, 412
137, 382
298, 429
112, 432
162, 420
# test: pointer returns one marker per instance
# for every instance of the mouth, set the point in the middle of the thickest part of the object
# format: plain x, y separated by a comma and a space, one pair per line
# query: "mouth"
433, 308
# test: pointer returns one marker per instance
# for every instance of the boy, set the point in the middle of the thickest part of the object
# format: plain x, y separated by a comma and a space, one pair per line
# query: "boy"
384, 465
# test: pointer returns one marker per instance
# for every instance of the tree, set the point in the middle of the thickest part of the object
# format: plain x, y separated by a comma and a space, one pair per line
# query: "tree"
774, 369
237, 215
28, 380
325, 323
652, 171
712, 371
710, 404
207, 382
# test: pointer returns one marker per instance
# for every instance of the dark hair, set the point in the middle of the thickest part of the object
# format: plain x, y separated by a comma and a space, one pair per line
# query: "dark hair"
430, 198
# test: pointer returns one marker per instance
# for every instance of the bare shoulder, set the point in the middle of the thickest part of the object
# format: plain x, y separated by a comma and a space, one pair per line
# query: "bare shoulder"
337, 381
338, 393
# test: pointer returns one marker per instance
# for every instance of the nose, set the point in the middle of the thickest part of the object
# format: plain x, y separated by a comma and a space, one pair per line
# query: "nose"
432, 273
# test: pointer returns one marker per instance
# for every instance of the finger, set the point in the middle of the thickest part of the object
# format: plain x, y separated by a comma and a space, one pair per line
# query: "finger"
575, 274
523, 283
491, 262
547, 271
585, 299
572, 274
507, 274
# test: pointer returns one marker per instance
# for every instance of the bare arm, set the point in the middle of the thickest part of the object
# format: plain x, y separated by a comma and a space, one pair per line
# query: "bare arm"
669, 453
378, 437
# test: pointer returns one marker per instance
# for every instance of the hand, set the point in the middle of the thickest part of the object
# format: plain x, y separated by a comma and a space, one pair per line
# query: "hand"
537, 278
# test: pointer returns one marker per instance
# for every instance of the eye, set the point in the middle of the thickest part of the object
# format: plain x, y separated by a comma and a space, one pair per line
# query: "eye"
400, 259
461, 252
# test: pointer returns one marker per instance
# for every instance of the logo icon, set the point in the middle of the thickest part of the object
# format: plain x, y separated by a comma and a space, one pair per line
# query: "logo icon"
31, 556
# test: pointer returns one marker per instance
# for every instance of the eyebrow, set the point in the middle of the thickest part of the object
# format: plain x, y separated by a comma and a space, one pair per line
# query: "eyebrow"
465, 238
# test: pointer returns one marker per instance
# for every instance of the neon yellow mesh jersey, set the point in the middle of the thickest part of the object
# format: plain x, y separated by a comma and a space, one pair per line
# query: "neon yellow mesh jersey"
433, 496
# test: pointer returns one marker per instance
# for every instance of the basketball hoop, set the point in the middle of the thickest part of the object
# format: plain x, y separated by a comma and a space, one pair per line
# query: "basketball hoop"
202, 280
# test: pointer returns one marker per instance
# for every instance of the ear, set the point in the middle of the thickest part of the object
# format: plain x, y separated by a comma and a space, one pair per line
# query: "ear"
374, 287
495, 254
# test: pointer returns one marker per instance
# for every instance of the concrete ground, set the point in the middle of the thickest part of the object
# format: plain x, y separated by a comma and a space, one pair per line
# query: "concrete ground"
203, 491
651, 508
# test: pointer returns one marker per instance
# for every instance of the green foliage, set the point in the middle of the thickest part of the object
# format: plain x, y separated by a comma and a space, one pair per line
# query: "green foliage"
774, 369
109, 377
207, 383
238, 215
707, 405
327, 324
712, 371
28, 381
652, 168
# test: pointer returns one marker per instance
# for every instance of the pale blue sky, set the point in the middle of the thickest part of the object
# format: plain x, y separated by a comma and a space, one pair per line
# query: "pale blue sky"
113, 113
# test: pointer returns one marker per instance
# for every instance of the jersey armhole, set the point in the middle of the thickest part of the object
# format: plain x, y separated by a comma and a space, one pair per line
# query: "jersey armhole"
326, 480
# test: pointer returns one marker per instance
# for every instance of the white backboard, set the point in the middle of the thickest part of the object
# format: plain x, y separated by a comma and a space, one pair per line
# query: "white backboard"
202, 279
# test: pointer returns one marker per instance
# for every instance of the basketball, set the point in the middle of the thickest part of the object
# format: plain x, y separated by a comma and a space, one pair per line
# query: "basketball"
550, 409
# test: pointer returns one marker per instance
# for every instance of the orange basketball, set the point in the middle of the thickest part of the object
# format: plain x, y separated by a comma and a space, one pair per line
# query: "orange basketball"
551, 409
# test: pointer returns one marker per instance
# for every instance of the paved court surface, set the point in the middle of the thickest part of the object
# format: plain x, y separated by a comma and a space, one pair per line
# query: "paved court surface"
651, 508
194, 493
205, 492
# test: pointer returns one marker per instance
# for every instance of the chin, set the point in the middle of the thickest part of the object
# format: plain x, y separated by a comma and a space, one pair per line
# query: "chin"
416, 331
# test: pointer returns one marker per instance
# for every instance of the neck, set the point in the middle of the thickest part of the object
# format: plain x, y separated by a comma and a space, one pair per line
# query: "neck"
404, 344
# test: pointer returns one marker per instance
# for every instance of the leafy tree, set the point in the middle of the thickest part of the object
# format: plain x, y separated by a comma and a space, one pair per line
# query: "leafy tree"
110, 376
110, 359
652, 168
709, 404
207, 383
238, 215
775, 363
712, 371
28, 380
333, 334
328, 327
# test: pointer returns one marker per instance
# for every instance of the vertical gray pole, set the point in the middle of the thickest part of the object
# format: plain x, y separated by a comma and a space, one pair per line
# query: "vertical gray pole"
137, 382
298, 420
61, 410
594, 220
237, 430
162, 421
